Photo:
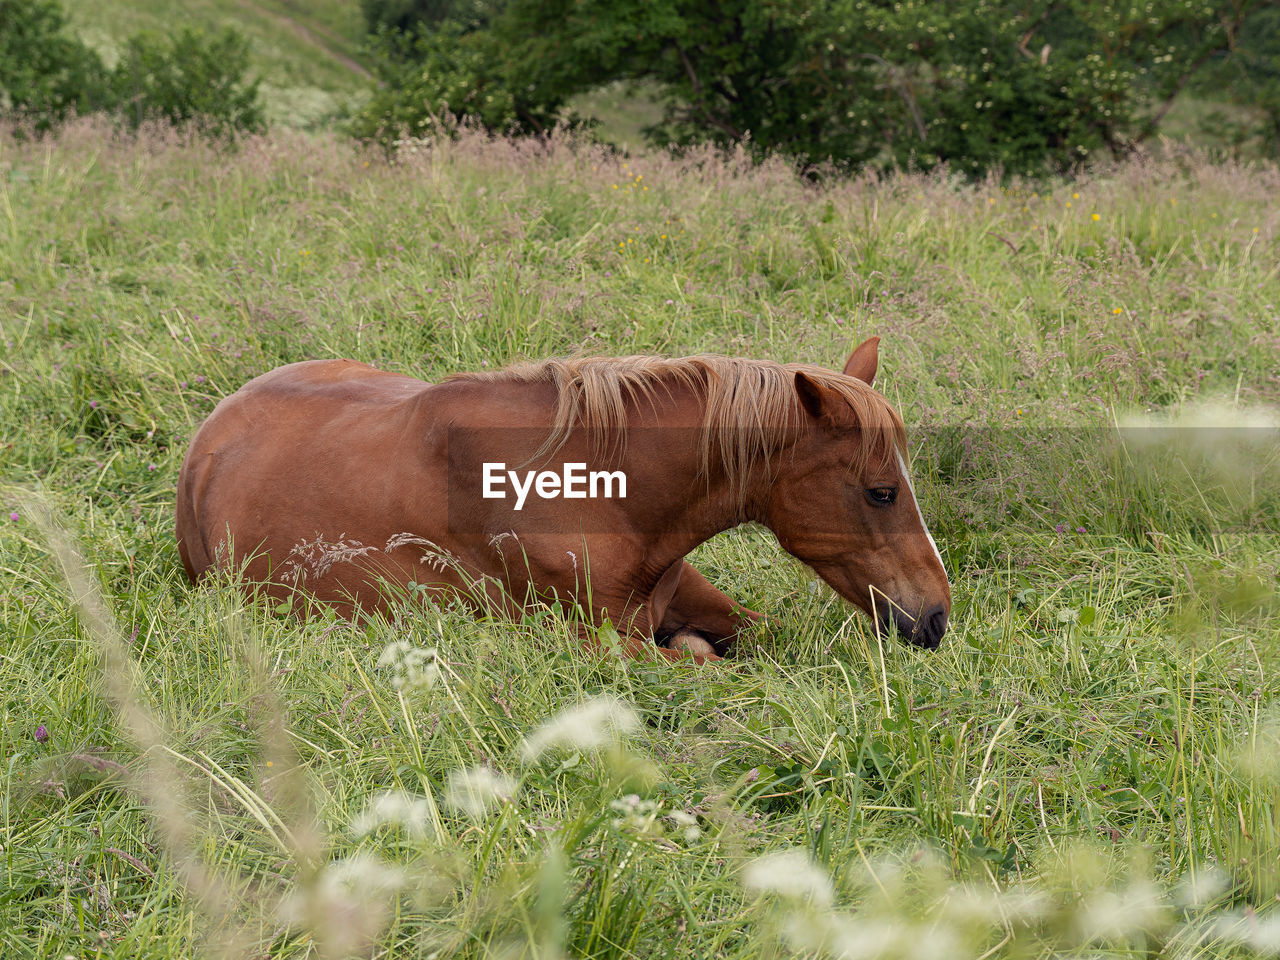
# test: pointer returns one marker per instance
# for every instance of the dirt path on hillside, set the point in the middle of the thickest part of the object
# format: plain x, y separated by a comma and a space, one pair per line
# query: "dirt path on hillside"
313, 35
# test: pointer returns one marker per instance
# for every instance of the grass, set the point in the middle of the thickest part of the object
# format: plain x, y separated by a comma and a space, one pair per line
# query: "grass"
1085, 768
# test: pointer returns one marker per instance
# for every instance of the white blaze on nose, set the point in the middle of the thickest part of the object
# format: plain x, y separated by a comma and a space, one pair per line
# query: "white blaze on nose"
923, 526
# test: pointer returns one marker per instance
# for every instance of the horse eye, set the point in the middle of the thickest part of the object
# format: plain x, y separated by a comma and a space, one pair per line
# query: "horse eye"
882, 496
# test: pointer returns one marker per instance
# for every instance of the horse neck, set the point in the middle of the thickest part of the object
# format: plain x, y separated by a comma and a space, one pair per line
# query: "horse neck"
704, 498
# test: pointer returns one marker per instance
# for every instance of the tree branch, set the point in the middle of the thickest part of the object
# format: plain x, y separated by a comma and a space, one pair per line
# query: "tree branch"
701, 98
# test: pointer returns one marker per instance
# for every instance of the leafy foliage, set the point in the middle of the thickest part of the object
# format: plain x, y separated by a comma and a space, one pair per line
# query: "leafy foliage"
45, 74
416, 16
1024, 88
188, 78
1247, 77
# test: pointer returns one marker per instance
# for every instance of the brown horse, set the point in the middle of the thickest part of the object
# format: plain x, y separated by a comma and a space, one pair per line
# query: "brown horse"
587, 479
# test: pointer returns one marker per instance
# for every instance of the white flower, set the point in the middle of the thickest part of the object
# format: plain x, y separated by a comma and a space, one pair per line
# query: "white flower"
396, 807
1260, 933
1112, 914
412, 668
588, 726
636, 815
790, 874
687, 823
345, 905
474, 790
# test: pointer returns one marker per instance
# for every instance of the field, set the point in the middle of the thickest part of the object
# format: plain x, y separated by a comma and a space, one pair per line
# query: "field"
1086, 767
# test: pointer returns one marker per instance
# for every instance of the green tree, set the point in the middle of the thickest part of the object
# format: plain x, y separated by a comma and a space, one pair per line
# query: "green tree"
189, 78
1028, 87
45, 74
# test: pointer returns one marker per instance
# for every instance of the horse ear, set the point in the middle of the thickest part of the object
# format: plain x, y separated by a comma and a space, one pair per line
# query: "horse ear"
864, 361
811, 394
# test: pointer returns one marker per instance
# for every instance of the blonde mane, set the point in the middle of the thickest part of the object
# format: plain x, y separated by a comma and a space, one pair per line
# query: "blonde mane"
751, 408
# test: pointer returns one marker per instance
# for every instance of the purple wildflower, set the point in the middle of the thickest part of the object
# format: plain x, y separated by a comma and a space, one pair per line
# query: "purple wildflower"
151, 466
1080, 530
93, 404
200, 379
42, 733
13, 514
1061, 528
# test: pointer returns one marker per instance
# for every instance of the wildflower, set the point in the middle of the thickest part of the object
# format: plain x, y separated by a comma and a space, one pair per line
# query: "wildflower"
13, 515
1075, 196
183, 385
1019, 411
475, 790
688, 824
991, 200
1117, 913
345, 904
1117, 311
789, 874
1068, 204
636, 815
615, 186
93, 404
392, 807
587, 726
151, 466
306, 253
670, 302
1061, 528
411, 667
1096, 217
1080, 530
42, 734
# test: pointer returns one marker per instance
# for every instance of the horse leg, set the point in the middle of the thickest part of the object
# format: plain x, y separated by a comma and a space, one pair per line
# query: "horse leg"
701, 616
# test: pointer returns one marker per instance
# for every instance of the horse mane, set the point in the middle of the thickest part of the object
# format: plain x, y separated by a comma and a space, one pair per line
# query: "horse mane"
751, 406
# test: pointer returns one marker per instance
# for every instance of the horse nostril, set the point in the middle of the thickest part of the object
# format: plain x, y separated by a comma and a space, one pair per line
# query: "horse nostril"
933, 626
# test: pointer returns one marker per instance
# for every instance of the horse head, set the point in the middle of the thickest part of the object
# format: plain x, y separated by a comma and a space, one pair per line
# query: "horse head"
842, 502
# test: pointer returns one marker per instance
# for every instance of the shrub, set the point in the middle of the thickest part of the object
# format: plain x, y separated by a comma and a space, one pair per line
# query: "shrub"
45, 74
189, 78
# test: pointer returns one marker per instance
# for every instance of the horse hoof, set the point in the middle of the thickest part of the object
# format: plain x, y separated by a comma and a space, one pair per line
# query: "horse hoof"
691, 641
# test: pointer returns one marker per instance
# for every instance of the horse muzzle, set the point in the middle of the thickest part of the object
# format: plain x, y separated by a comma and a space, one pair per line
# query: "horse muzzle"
923, 631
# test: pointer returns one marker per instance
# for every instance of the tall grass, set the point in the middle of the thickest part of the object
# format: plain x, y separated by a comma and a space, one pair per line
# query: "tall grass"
1085, 768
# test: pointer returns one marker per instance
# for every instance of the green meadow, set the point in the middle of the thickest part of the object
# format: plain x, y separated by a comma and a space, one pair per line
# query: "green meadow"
1088, 766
